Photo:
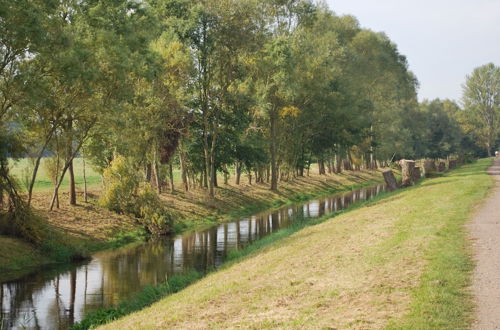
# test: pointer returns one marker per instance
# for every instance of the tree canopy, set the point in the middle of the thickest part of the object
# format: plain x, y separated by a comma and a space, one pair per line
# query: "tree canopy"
264, 87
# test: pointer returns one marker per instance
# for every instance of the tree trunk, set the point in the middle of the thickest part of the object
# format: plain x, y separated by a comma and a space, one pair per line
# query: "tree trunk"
72, 188
249, 173
321, 167
215, 181
66, 166
182, 160
85, 197
338, 163
171, 176
156, 172
58, 162
37, 165
488, 147
273, 149
226, 175
147, 172
238, 172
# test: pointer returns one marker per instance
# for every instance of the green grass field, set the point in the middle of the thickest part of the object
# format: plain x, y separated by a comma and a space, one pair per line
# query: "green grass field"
18, 169
401, 262
42, 183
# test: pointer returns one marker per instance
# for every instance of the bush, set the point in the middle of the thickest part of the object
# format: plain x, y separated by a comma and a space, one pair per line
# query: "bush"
152, 215
121, 182
122, 194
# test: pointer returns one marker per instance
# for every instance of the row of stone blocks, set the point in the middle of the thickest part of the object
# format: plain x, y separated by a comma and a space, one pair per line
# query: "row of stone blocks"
411, 173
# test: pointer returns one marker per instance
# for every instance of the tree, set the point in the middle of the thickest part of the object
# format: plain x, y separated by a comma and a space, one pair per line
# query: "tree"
24, 27
481, 99
442, 132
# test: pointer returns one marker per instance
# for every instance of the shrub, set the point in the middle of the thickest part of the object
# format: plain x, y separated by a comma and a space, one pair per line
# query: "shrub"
152, 214
123, 195
121, 182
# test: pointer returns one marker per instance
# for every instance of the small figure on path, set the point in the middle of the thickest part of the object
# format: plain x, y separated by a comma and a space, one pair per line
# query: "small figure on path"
496, 154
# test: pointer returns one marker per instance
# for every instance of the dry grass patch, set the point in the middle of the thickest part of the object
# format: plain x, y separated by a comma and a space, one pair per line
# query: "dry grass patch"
85, 221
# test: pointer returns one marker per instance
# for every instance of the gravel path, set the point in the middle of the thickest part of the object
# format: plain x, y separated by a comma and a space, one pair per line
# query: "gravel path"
485, 231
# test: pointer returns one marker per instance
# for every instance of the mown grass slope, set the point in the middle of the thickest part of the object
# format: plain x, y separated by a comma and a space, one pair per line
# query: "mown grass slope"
401, 262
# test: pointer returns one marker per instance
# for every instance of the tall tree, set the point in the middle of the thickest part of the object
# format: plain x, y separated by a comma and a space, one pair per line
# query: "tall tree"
481, 98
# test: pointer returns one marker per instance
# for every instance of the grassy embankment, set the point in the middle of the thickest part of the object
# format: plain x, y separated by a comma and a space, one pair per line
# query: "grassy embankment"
401, 262
93, 227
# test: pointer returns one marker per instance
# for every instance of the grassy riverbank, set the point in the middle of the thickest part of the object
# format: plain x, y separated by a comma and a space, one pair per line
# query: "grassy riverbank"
401, 262
92, 227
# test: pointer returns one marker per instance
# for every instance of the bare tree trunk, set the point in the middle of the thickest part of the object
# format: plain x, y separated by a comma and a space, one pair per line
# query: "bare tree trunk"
85, 198
66, 166
226, 175
1, 205
273, 149
182, 160
212, 171
171, 176
72, 188
488, 147
37, 165
321, 166
338, 163
238, 172
58, 163
156, 172
147, 172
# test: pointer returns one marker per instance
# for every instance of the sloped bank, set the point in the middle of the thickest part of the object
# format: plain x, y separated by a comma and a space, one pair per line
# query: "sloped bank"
92, 228
401, 262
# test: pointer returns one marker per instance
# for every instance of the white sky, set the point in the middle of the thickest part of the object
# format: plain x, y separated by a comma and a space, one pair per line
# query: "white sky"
443, 39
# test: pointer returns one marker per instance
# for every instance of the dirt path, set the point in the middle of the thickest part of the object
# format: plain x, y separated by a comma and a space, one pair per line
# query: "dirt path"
485, 231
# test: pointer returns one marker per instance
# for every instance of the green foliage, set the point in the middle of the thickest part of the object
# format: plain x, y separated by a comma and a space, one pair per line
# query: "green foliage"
441, 134
148, 295
122, 194
481, 98
121, 183
152, 213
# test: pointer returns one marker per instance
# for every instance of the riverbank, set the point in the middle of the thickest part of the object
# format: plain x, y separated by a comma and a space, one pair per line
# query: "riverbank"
401, 262
93, 228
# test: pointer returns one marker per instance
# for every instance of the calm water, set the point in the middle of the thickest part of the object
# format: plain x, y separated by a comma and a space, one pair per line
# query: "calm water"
56, 298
